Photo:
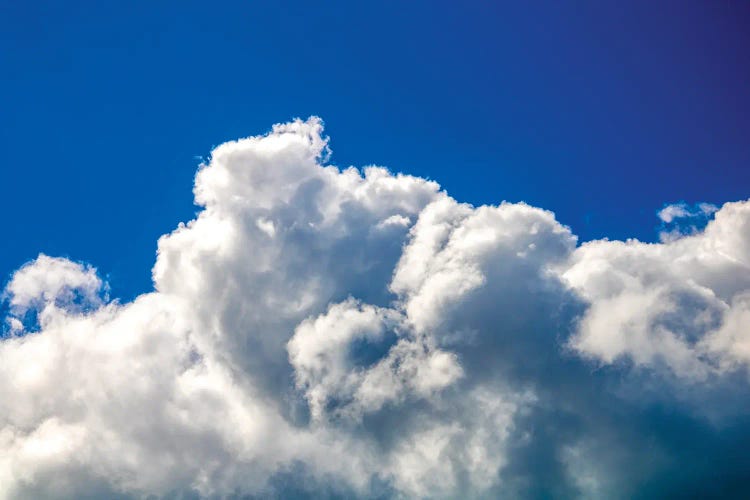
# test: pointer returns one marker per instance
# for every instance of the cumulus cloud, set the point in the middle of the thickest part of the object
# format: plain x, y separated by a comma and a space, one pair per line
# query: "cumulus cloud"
319, 332
675, 304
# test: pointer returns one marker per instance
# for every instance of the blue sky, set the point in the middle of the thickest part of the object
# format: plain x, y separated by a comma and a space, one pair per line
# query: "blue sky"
600, 111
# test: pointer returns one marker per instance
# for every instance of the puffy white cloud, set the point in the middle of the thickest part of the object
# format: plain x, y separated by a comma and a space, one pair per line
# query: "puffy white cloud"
677, 304
329, 355
319, 331
53, 282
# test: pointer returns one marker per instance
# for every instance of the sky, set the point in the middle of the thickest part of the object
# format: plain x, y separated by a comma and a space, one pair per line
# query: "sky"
374, 250
598, 111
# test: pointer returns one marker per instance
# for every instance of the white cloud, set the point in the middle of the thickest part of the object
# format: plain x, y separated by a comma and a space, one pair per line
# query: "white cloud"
671, 304
53, 280
681, 210
680, 219
318, 330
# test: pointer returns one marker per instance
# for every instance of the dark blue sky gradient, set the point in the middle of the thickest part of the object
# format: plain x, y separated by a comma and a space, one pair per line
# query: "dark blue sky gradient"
599, 111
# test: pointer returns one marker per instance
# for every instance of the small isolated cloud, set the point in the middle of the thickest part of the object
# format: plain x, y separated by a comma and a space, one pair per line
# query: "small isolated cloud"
680, 219
327, 332
682, 210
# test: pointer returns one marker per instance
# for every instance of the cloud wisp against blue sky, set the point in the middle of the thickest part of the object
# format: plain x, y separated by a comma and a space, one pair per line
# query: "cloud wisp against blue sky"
322, 331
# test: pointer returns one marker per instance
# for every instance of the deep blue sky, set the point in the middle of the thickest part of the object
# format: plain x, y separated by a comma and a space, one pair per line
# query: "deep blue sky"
599, 111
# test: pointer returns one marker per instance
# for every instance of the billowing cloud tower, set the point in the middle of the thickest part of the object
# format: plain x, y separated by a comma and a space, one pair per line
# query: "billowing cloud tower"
326, 332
